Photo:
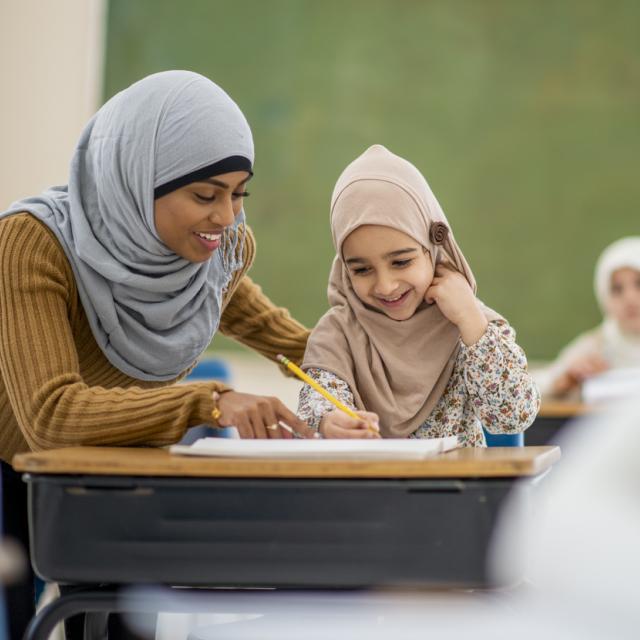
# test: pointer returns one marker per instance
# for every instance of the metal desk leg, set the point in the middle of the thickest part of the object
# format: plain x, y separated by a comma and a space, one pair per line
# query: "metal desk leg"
70, 604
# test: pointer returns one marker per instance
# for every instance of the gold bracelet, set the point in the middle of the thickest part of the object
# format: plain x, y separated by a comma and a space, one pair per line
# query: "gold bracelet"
215, 412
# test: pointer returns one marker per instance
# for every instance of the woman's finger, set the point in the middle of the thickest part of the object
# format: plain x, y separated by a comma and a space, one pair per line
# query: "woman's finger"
258, 425
291, 420
243, 425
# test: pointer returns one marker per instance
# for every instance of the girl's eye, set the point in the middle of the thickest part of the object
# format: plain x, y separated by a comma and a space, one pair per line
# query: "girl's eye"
360, 271
616, 289
402, 263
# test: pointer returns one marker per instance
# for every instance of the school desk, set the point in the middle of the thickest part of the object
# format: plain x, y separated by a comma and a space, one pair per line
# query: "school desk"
142, 516
554, 417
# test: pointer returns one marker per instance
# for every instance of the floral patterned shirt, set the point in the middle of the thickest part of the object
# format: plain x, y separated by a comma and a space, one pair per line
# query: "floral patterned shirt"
489, 386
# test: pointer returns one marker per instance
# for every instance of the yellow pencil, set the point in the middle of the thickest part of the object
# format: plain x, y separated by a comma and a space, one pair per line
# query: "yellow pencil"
321, 390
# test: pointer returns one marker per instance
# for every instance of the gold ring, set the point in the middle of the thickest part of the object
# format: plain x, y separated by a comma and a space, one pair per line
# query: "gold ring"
273, 427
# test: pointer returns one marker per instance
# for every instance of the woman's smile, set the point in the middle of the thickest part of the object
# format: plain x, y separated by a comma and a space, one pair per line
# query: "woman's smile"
209, 240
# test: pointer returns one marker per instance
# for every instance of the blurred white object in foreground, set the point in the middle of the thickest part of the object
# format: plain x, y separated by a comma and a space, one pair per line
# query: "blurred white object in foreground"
579, 547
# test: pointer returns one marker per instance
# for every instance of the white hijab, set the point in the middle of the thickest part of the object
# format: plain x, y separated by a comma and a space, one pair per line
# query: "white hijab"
620, 349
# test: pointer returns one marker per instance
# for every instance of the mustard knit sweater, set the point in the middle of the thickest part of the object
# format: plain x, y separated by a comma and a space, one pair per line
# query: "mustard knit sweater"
58, 389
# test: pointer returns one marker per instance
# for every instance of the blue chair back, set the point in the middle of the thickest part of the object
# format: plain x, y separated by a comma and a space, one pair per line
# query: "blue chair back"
504, 439
208, 369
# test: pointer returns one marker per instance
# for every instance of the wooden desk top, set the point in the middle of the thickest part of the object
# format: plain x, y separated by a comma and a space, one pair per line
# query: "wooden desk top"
563, 409
129, 461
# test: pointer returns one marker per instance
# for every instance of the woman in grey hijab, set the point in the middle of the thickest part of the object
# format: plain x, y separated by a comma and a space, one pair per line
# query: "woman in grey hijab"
111, 287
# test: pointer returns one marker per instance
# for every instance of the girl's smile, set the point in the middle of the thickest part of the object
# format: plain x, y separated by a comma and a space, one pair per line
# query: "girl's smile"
395, 302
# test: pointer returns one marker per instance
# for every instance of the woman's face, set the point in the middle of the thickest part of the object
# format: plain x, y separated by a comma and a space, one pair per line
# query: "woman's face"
389, 270
623, 303
190, 220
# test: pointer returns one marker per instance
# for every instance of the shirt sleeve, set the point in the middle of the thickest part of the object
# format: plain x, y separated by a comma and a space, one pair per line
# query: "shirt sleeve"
312, 406
502, 393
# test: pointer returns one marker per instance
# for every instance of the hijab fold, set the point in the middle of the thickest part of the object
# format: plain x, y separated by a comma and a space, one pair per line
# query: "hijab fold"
151, 312
397, 369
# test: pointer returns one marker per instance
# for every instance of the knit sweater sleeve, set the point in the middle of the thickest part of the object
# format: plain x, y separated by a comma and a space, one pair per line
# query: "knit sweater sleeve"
40, 367
252, 319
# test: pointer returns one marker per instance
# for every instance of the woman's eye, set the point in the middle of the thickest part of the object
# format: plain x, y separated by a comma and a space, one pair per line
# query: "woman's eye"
205, 198
402, 263
244, 194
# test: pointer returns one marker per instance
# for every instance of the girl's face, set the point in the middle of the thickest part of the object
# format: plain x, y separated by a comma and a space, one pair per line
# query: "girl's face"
190, 220
623, 303
389, 270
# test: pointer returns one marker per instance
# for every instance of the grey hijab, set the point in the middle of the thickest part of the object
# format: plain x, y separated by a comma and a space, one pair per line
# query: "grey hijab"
151, 312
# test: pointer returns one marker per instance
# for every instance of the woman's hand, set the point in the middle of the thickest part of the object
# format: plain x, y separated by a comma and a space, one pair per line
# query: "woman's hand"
451, 292
577, 372
337, 424
258, 416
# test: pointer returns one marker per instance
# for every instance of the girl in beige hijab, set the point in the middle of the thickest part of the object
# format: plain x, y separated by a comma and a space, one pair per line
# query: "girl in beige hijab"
406, 343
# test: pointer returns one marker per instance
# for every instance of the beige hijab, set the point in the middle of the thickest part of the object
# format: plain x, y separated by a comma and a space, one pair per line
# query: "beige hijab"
398, 369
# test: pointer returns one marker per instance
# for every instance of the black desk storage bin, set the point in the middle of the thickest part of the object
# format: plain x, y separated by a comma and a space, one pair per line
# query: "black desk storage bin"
263, 532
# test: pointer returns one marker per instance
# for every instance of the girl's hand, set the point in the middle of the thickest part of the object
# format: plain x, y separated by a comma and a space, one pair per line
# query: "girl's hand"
581, 369
457, 302
254, 416
337, 424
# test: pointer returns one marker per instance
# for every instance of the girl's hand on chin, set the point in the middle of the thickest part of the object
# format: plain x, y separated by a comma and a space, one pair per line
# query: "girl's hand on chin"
337, 424
450, 290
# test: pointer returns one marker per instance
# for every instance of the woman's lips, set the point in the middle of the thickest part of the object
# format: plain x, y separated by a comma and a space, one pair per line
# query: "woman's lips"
210, 241
390, 304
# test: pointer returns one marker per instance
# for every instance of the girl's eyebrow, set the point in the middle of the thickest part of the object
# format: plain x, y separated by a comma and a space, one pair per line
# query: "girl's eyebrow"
391, 254
399, 252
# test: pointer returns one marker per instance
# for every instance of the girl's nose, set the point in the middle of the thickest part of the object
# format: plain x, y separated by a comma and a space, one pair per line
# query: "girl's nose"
385, 285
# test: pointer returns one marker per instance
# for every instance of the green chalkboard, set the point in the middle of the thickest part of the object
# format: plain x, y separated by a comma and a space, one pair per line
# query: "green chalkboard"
522, 115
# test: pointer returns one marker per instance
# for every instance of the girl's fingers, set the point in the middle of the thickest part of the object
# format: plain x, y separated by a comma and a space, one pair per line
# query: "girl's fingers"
369, 416
334, 431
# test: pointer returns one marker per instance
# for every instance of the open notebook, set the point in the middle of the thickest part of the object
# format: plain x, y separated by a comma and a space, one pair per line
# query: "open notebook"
409, 449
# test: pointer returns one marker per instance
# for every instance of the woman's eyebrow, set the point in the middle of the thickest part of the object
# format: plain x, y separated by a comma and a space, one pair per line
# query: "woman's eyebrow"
224, 185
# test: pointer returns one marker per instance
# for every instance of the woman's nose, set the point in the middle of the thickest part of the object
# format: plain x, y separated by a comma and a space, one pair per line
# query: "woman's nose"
224, 214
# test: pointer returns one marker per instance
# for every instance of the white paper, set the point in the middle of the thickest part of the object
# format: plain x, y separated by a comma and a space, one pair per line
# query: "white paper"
379, 449
612, 385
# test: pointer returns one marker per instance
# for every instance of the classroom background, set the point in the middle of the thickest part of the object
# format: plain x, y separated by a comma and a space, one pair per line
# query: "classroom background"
522, 116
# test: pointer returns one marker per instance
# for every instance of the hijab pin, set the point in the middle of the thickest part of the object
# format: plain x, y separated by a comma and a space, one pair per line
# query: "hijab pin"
438, 232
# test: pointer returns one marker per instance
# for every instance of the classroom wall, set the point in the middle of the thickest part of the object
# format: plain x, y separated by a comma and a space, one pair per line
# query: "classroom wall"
51, 57
522, 115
